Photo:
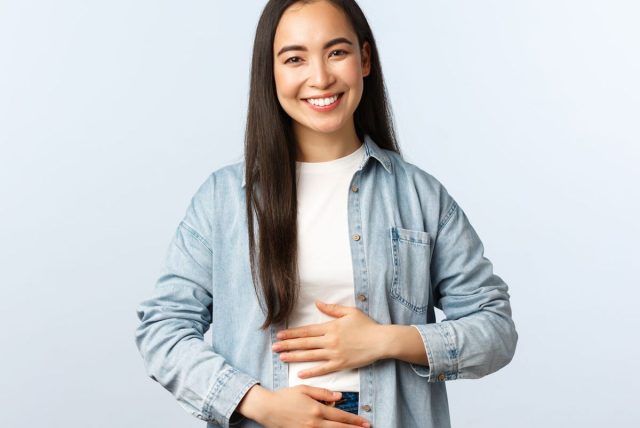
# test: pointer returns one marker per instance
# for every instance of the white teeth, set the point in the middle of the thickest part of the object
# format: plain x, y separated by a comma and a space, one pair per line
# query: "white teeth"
322, 101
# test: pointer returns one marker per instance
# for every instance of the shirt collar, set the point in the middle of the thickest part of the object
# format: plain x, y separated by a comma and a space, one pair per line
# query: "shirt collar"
371, 150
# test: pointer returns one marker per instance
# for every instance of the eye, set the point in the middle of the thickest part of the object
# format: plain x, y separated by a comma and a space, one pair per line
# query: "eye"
292, 62
341, 51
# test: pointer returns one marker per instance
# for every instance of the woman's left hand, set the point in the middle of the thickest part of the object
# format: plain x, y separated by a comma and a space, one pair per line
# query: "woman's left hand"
352, 340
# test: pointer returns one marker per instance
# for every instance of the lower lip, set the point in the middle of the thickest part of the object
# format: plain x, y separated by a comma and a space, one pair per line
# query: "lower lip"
325, 108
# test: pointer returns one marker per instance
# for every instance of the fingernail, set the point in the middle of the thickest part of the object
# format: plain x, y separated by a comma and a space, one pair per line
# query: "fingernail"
336, 394
366, 425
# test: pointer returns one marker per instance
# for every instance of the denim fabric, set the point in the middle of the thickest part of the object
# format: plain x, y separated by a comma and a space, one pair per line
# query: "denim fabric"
413, 249
348, 402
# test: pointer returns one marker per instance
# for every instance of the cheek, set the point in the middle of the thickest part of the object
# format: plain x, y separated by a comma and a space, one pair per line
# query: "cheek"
285, 84
352, 75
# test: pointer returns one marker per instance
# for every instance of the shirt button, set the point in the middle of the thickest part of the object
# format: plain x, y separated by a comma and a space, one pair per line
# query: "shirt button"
362, 297
354, 188
366, 408
441, 377
356, 237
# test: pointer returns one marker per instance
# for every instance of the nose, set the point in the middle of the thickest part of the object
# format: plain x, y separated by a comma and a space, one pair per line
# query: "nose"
321, 76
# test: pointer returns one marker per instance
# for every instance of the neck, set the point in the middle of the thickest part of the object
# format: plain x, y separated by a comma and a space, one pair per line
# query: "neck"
323, 147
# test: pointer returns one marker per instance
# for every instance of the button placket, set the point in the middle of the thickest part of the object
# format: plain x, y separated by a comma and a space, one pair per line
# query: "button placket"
366, 375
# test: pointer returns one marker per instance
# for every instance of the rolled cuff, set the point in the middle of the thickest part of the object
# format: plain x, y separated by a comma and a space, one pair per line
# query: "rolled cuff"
225, 395
441, 352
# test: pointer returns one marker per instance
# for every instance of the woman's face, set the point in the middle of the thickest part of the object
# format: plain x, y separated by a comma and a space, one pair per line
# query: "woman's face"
316, 56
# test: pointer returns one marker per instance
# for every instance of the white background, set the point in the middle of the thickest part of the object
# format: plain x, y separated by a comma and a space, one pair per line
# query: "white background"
113, 112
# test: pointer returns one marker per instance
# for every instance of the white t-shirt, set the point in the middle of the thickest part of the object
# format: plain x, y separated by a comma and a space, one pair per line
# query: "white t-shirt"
324, 255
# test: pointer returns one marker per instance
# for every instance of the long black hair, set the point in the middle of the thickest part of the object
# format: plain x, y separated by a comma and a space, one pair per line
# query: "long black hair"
270, 156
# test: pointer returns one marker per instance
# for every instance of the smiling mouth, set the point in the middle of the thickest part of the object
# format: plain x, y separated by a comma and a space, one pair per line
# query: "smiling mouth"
323, 102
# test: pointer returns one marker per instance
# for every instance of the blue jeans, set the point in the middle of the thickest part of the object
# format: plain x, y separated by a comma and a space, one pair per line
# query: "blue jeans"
348, 402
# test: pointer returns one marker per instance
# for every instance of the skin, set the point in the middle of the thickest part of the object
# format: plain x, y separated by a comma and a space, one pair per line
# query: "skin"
352, 339
299, 74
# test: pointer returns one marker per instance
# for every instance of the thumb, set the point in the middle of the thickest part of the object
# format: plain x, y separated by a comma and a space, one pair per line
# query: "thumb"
332, 308
322, 394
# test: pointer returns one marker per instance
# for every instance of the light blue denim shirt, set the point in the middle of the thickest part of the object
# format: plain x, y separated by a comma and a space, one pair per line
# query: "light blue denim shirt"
412, 248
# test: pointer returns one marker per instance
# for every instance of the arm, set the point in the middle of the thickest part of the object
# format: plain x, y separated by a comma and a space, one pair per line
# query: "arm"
255, 402
402, 342
478, 336
173, 322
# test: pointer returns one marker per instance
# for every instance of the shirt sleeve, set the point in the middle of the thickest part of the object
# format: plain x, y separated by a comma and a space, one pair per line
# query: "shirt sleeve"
478, 336
173, 321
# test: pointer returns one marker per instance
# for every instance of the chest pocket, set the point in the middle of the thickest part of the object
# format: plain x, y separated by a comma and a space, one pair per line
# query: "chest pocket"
411, 255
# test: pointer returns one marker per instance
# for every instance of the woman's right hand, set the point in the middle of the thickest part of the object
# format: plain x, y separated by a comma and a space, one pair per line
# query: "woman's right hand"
300, 405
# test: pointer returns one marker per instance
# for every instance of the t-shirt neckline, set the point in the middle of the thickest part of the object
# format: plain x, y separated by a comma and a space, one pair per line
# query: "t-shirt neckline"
343, 162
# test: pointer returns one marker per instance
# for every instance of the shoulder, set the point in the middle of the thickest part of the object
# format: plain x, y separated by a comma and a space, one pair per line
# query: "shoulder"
229, 176
224, 179
431, 192
222, 184
424, 181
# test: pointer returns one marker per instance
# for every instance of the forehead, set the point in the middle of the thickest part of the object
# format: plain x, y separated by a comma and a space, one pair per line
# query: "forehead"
311, 25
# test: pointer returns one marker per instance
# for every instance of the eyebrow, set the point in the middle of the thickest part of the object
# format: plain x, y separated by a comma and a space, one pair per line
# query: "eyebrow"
330, 43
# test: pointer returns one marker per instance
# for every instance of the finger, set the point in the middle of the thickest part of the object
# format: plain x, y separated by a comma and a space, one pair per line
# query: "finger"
329, 367
302, 343
320, 394
299, 356
334, 309
304, 331
340, 418
318, 342
330, 424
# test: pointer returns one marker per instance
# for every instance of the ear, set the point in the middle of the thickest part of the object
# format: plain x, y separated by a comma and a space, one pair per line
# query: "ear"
365, 54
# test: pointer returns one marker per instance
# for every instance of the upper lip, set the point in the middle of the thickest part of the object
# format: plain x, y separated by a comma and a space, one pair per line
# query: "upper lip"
327, 95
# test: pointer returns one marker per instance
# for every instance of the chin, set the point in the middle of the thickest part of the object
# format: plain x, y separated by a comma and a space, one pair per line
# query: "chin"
328, 130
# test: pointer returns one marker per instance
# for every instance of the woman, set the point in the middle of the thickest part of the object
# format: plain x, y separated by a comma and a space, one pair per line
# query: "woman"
318, 259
